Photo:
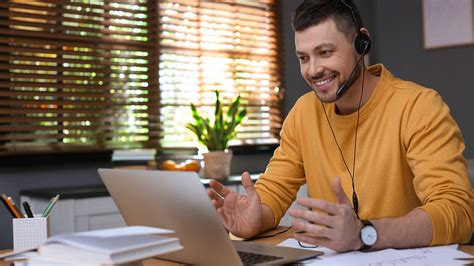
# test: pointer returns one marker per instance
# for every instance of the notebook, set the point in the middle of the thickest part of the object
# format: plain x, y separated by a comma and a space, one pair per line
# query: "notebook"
108, 246
178, 201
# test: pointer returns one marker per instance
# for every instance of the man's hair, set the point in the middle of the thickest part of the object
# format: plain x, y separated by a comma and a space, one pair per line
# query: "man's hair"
313, 12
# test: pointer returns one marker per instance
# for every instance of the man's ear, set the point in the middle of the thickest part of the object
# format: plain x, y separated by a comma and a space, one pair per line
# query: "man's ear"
365, 30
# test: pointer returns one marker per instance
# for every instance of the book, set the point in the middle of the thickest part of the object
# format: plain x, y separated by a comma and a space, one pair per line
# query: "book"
45, 261
107, 247
134, 155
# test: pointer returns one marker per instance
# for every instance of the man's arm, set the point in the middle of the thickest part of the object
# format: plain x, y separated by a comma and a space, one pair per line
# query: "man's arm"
267, 219
434, 153
414, 229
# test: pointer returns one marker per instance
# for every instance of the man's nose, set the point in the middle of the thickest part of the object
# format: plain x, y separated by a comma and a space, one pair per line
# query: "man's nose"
315, 69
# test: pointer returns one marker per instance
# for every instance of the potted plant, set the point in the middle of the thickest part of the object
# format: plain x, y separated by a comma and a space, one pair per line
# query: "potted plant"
216, 134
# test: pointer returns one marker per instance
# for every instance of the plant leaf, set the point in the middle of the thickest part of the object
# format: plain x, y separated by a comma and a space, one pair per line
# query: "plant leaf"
218, 127
233, 108
218, 135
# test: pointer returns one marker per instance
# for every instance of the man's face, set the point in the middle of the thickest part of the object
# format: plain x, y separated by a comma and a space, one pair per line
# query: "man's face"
326, 58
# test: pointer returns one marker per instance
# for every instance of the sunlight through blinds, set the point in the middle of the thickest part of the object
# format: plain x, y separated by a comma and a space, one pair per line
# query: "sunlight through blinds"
77, 75
96, 75
230, 46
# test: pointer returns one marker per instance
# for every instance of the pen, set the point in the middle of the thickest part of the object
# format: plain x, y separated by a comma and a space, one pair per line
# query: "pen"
17, 210
27, 208
50, 206
8, 207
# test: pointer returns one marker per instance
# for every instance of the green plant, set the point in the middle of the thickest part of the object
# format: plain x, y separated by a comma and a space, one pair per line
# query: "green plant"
217, 136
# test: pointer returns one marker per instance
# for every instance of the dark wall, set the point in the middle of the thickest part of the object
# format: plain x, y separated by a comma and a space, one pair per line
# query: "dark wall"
397, 33
294, 84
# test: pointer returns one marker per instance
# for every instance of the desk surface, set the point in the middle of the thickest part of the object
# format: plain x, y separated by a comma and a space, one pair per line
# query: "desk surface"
267, 240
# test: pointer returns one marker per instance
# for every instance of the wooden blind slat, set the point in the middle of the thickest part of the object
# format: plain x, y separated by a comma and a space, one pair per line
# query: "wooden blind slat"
86, 76
47, 35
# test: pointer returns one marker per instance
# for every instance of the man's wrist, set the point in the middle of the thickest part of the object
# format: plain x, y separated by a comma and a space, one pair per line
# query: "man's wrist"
359, 243
266, 219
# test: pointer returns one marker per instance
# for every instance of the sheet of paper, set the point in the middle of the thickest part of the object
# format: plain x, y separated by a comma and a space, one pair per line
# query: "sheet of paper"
22, 256
448, 255
15, 253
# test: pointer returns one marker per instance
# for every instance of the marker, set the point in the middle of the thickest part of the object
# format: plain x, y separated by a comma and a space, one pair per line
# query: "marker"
50, 206
27, 208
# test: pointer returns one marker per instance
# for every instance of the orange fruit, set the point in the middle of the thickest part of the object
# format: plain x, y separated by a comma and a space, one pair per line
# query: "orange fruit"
192, 165
180, 167
168, 165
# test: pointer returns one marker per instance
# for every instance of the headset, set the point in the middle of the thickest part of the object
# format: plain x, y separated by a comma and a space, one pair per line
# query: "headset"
362, 40
362, 45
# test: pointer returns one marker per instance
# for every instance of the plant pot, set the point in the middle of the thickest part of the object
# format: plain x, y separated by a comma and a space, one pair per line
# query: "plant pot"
217, 164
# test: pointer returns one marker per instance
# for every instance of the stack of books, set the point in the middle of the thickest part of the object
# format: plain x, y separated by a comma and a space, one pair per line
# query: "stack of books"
118, 246
133, 155
134, 158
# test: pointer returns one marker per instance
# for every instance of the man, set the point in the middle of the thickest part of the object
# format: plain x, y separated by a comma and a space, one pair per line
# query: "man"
382, 157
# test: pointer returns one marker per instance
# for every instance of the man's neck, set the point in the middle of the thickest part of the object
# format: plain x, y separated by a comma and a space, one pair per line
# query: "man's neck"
349, 102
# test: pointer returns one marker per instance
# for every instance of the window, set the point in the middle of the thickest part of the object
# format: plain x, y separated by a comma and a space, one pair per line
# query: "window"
92, 75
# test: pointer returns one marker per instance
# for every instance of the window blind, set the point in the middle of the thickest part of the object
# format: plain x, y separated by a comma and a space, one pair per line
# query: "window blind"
77, 75
91, 75
230, 46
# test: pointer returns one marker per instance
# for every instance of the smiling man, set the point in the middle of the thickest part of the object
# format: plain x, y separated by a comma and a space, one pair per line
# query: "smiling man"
382, 157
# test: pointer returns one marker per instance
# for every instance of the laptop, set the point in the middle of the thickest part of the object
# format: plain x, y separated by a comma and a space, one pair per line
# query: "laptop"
179, 201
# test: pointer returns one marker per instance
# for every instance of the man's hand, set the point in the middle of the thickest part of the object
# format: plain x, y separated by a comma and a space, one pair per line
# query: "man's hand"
241, 214
327, 224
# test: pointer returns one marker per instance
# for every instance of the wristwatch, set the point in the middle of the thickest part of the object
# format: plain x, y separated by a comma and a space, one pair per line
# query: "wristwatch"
368, 235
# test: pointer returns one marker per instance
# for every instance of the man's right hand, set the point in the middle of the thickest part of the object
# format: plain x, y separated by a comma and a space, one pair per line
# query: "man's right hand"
241, 214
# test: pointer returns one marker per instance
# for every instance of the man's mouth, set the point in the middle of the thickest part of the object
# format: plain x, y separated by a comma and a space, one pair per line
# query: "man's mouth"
320, 83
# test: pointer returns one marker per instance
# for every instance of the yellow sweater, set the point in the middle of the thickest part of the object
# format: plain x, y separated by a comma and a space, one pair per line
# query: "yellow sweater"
409, 155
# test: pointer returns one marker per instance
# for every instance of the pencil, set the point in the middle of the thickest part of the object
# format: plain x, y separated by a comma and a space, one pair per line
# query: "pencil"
12, 208
50, 206
8, 208
20, 213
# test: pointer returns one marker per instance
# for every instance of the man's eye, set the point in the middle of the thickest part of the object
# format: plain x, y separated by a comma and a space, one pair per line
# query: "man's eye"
302, 58
326, 52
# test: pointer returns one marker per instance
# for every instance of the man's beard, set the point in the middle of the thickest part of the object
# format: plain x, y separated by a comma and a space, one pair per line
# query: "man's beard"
331, 96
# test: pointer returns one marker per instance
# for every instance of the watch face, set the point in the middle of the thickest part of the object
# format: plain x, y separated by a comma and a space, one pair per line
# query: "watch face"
368, 235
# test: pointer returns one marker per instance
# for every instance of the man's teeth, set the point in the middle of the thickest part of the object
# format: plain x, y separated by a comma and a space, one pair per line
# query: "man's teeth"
322, 82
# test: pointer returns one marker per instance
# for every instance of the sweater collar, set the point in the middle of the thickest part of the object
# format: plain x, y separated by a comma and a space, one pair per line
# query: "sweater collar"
374, 99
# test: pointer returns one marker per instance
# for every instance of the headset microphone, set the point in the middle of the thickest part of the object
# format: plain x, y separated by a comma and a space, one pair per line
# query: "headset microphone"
351, 79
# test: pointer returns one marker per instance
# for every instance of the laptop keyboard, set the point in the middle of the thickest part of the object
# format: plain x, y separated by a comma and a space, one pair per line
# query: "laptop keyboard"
249, 258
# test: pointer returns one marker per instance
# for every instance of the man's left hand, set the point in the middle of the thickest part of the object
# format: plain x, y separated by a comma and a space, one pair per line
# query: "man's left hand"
327, 224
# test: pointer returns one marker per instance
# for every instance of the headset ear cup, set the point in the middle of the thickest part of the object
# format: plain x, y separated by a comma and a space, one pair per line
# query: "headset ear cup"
361, 41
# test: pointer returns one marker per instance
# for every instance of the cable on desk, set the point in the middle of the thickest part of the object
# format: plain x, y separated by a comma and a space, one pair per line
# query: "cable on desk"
272, 235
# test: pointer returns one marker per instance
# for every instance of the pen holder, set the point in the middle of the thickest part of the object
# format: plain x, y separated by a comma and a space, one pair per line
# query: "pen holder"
30, 232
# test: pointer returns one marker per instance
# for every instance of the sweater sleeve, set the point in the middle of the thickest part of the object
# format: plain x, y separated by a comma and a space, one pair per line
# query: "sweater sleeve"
284, 175
435, 148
